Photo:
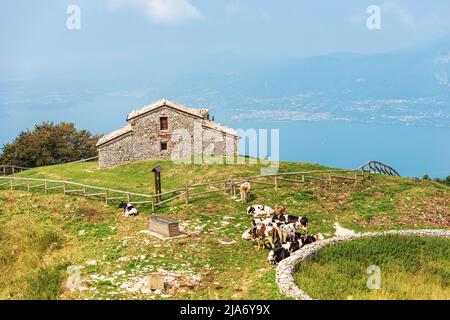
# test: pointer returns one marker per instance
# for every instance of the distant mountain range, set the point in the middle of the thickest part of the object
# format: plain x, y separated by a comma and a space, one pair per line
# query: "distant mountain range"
406, 86
409, 86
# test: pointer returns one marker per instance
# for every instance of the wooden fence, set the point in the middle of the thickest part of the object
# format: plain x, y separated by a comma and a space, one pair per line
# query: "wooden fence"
275, 181
6, 170
73, 188
190, 191
378, 168
83, 160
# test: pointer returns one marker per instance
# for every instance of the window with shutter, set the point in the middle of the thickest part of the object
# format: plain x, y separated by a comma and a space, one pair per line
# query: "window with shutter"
164, 123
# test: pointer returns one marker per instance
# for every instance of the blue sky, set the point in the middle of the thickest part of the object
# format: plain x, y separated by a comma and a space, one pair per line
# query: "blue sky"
265, 63
118, 36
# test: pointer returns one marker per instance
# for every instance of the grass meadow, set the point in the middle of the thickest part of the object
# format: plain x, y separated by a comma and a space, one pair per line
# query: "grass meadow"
411, 268
42, 235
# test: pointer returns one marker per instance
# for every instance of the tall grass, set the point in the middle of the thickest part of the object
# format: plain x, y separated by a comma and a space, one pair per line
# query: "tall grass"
45, 283
24, 273
411, 268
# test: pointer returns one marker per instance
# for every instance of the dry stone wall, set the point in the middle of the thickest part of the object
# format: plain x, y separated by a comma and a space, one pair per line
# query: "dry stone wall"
286, 269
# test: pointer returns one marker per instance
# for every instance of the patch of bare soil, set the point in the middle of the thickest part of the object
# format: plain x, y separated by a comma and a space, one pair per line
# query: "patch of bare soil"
91, 214
378, 221
432, 211
171, 282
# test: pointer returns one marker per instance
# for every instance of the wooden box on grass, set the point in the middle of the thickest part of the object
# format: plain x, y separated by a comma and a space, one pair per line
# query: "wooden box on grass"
164, 226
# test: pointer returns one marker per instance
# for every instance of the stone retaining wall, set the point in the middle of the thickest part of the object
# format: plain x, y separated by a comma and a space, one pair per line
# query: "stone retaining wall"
286, 269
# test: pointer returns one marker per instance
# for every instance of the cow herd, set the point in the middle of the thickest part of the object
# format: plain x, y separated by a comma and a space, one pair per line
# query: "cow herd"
281, 232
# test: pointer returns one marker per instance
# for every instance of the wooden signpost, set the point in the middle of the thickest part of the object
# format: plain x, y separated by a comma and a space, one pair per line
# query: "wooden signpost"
157, 170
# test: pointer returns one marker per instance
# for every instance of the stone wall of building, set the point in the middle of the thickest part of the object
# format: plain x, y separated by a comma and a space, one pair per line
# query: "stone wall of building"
144, 142
116, 151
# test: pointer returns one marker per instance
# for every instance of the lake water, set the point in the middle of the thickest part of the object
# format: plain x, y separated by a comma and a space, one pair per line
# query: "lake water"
412, 151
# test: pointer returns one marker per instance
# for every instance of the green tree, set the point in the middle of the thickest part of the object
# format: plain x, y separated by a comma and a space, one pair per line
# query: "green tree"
49, 144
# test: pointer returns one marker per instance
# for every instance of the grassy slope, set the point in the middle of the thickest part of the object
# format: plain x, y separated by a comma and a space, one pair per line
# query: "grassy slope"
238, 271
138, 177
411, 268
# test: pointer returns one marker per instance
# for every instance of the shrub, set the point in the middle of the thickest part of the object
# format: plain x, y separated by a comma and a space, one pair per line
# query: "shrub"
45, 284
49, 144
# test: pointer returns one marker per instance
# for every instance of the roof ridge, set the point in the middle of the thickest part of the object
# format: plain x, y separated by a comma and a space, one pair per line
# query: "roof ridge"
115, 134
164, 102
221, 127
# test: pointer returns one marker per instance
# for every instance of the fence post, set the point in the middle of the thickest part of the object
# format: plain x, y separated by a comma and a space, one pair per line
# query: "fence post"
153, 206
231, 186
303, 178
106, 197
128, 198
276, 182
356, 177
329, 178
45, 187
28, 185
11, 184
13, 170
186, 190
64, 188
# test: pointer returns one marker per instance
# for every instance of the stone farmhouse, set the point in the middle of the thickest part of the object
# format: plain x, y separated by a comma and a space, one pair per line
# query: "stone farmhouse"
166, 129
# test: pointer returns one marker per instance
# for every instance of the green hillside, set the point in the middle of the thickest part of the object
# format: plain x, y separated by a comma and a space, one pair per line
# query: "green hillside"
41, 235
411, 268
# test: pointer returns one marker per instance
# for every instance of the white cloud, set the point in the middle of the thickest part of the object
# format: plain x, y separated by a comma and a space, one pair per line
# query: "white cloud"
234, 7
283, 115
170, 12
405, 17
442, 59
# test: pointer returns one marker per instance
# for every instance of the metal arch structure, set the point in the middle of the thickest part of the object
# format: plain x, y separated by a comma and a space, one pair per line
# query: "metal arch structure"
378, 168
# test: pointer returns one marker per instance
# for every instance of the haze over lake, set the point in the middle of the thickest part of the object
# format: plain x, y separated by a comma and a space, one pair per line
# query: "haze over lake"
339, 93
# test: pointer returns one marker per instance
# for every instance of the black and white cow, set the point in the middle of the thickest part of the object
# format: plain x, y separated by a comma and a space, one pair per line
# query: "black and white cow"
299, 222
250, 234
294, 246
260, 210
311, 239
128, 210
277, 255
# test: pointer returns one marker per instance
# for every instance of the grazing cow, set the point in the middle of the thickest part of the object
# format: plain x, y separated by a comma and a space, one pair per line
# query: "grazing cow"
342, 232
260, 210
311, 239
277, 255
299, 222
128, 209
267, 222
249, 235
298, 236
294, 246
280, 211
245, 191
274, 237
287, 232
261, 236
